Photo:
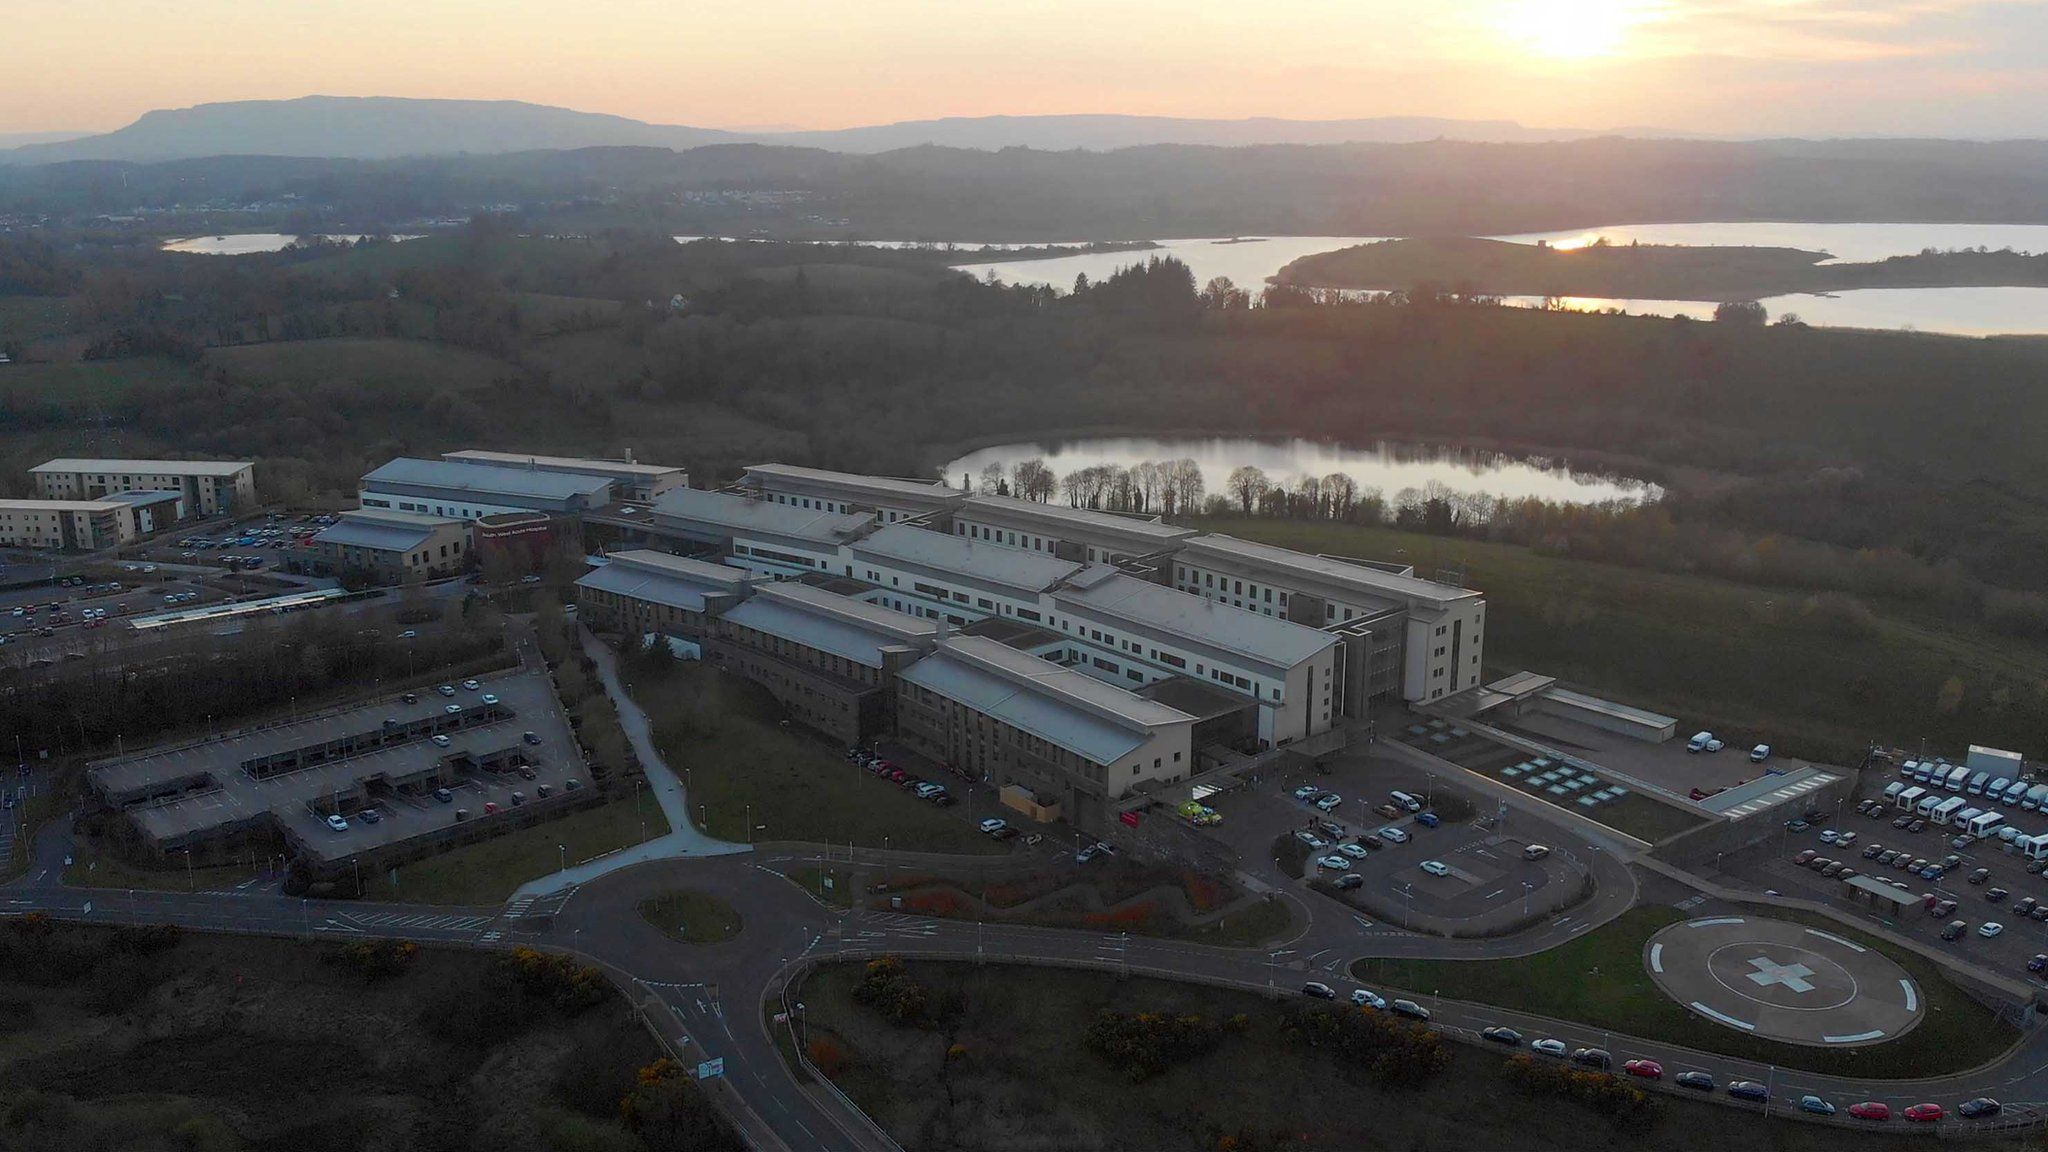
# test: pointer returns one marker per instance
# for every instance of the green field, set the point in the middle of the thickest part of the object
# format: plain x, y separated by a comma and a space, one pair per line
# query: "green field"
1743, 660
1598, 980
1011, 1073
741, 765
689, 917
489, 871
76, 385
368, 364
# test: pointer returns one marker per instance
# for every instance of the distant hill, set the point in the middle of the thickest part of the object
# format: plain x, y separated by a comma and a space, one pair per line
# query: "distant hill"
378, 128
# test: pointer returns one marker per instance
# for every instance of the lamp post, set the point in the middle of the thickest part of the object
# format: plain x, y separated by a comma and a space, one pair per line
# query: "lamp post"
562, 856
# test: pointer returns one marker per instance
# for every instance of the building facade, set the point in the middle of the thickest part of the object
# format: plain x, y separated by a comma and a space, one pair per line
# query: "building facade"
207, 487
630, 479
393, 547
88, 525
650, 593
1070, 533
887, 500
832, 661
468, 491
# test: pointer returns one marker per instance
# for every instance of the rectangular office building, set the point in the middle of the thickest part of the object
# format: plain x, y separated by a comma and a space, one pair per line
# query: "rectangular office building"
653, 593
207, 487
630, 479
886, 499
994, 712
929, 573
1069, 533
829, 659
468, 491
393, 547
759, 535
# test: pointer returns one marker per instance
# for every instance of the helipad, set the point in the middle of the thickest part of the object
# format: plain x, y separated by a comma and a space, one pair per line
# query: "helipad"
1783, 981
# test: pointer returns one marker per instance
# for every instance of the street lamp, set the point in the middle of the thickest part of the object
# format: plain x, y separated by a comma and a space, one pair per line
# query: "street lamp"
562, 855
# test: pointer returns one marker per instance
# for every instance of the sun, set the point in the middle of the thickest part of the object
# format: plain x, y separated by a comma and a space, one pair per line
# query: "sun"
1572, 29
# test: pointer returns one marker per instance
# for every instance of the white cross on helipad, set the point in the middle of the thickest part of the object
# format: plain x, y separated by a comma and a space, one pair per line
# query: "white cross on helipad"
1769, 972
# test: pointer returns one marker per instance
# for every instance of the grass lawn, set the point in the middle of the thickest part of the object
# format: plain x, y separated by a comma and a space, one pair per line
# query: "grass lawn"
369, 363
1736, 658
1011, 1072
73, 385
488, 872
1598, 979
689, 917
91, 867
741, 764
832, 885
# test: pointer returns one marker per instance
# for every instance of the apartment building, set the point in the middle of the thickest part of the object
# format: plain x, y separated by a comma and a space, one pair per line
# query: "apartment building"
206, 487
630, 479
832, 661
1013, 718
885, 499
654, 593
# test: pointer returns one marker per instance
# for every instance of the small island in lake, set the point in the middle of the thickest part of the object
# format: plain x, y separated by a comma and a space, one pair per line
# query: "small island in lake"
1644, 271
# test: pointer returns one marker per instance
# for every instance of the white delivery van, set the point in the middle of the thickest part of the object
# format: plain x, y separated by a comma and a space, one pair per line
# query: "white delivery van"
1984, 824
1977, 783
1910, 798
1928, 804
1891, 793
2033, 847
2036, 798
1699, 742
1405, 802
1962, 819
1947, 809
2016, 792
1909, 767
1996, 789
1957, 777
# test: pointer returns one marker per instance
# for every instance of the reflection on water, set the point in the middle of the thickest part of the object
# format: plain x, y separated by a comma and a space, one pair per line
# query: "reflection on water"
249, 243
1387, 468
1855, 243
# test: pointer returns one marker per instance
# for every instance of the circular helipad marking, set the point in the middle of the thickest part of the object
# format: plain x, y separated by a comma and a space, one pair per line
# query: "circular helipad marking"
1784, 981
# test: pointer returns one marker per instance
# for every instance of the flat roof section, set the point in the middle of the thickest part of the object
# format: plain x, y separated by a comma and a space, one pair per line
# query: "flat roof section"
658, 578
484, 480
1354, 579
1201, 621
856, 631
921, 491
1766, 792
568, 463
1624, 712
726, 514
151, 467
1014, 633
1197, 698
1053, 518
382, 531
958, 555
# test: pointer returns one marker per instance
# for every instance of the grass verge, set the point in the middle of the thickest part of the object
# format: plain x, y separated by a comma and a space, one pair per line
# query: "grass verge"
489, 871
1598, 980
690, 917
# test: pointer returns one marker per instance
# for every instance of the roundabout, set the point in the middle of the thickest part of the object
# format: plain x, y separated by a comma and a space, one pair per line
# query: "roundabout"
1784, 981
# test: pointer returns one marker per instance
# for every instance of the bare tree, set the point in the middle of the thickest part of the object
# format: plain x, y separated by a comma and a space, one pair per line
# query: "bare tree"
1308, 496
1248, 484
1341, 491
1074, 486
1033, 480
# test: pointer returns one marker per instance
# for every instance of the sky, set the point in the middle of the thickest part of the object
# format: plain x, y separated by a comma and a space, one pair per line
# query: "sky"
1745, 67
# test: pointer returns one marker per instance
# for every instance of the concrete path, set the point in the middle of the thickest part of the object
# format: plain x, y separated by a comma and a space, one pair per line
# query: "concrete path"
683, 838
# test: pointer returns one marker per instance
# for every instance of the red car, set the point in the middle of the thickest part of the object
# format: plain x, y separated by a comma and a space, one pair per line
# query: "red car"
1871, 1110
1924, 1112
1647, 1069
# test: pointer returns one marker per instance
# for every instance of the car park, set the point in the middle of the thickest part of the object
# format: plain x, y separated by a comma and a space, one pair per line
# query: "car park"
1500, 1035
1548, 1047
1367, 998
1319, 990
1871, 1110
1436, 868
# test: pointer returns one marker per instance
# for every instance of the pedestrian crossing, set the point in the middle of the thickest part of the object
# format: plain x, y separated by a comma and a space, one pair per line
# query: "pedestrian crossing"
447, 923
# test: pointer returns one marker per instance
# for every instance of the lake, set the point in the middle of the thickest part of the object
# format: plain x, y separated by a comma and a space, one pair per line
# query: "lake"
1962, 311
246, 243
1385, 467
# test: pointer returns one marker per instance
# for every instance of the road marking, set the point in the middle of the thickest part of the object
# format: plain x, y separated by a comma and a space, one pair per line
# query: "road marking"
1851, 946
1857, 1038
1717, 920
1912, 1001
1657, 958
1723, 1017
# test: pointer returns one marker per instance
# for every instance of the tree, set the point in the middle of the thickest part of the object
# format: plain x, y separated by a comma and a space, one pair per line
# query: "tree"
1248, 484
1341, 492
1033, 480
991, 478
1221, 295
1746, 312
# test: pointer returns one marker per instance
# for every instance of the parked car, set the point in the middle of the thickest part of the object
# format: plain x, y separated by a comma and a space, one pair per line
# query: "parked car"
1816, 1105
411, 697
1760, 753
471, 685
443, 795
1749, 1090
1954, 931
446, 689
1367, 998
1389, 811
489, 699
530, 737
1535, 852
1989, 929
1979, 1109
1410, 1009
1924, 1113
1827, 835
1995, 895
1319, 990
1315, 842
1356, 852
1307, 792
1871, 1110
1349, 881
370, 815
1872, 850
1980, 876
1698, 1081
1644, 1069
1500, 1035
1548, 1047
1593, 1058
1428, 819
993, 825
1436, 868
1334, 863
441, 741
1329, 801
1393, 835
337, 823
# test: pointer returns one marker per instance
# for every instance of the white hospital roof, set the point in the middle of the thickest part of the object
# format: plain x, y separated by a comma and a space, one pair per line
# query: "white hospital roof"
832, 623
729, 514
149, 467
1055, 518
485, 480
1193, 618
658, 578
1085, 716
886, 487
958, 555
565, 463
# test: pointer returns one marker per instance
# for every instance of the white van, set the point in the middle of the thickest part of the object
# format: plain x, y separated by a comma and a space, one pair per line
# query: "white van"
2036, 798
1984, 824
1996, 790
1699, 742
1909, 767
1962, 819
1891, 793
1406, 803
2033, 847
2015, 792
1957, 777
1928, 804
1925, 772
1910, 798
1977, 783
1947, 809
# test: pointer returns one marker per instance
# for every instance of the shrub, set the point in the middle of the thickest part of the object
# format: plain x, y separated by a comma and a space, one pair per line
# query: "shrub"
826, 1056
1144, 1044
1391, 1050
376, 960
1129, 918
559, 980
888, 988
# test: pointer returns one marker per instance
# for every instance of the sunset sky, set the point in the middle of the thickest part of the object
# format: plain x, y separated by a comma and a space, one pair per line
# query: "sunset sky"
1953, 67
